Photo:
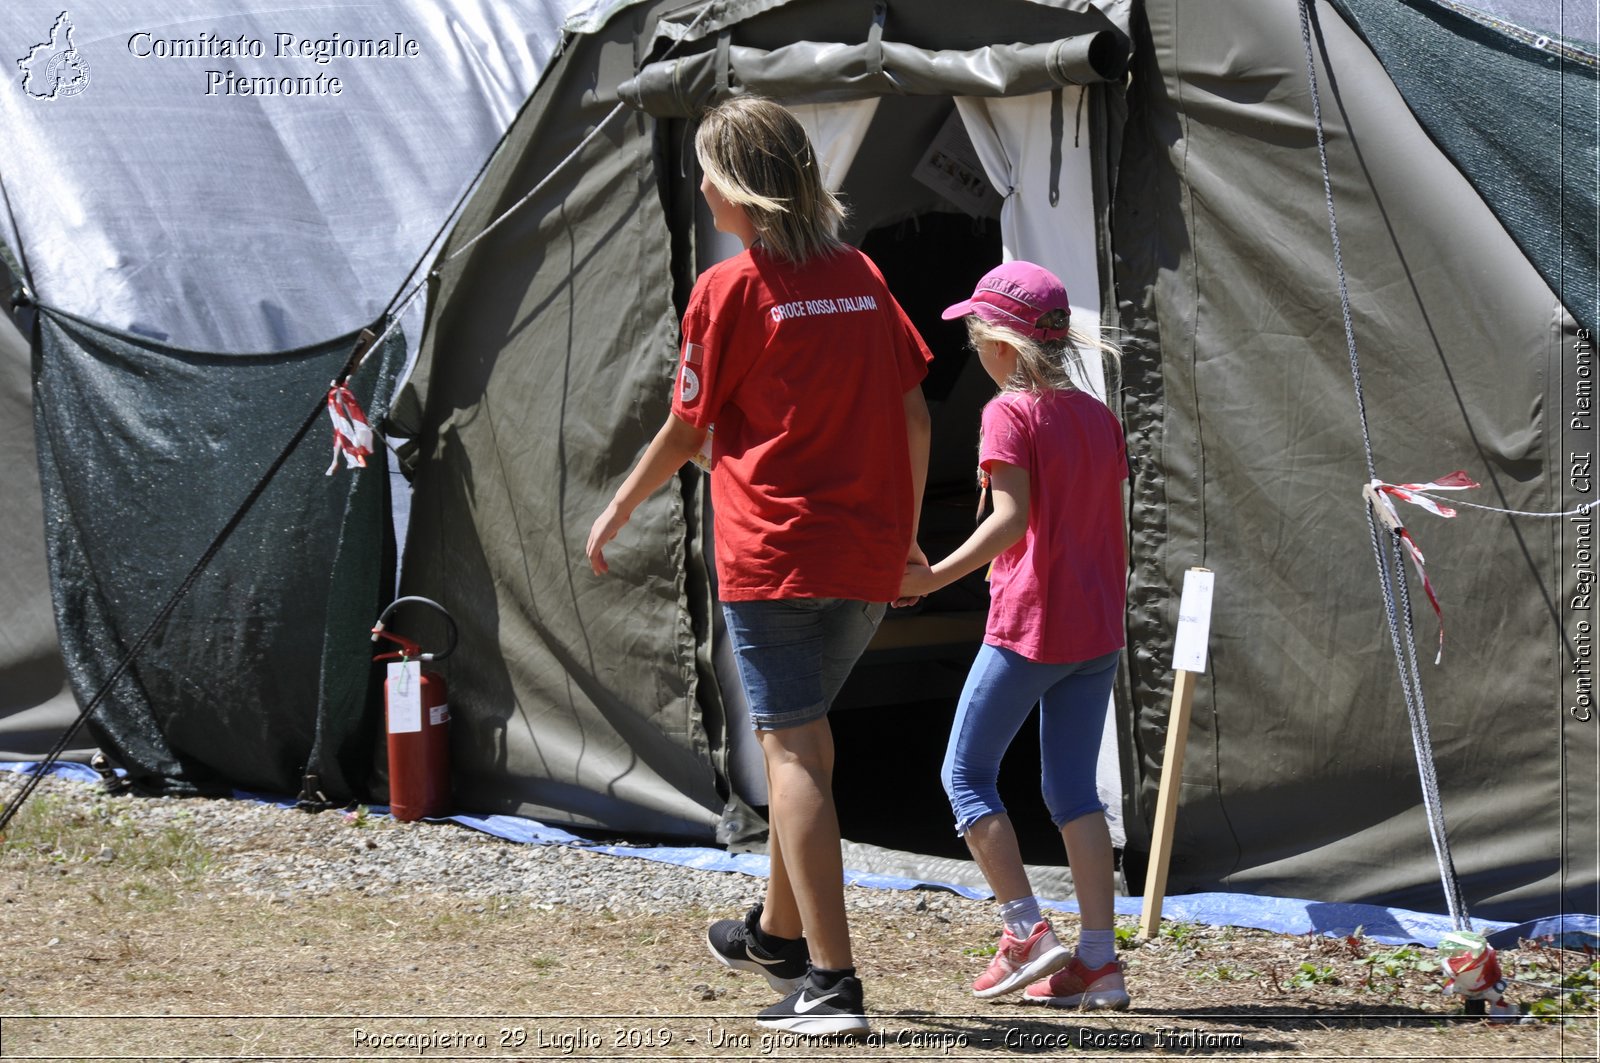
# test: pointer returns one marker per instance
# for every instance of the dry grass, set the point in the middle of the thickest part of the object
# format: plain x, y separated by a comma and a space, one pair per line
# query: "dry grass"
147, 956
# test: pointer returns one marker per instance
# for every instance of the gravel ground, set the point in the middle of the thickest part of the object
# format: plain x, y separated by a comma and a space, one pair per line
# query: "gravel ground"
281, 854
384, 857
200, 911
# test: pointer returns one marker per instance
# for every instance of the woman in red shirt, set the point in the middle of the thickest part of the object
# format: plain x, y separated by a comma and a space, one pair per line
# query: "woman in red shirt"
812, 374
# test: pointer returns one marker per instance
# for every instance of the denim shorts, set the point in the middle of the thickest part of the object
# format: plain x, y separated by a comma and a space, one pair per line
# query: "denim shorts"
795, 653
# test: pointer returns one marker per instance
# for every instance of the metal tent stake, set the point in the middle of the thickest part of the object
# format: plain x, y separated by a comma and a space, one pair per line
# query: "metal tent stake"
1189, 661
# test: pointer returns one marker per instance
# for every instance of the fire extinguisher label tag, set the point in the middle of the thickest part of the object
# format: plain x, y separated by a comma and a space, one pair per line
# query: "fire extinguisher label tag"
405, 696
438, 714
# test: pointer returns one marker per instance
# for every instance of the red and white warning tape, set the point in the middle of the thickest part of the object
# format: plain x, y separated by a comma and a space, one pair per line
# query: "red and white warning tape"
352, 436
1379, 494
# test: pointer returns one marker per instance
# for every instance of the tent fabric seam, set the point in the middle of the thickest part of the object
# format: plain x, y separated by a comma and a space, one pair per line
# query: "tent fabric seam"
1555, 45
147, 342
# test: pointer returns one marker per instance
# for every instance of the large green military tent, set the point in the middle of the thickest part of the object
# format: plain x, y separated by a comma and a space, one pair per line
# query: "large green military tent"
1164, 159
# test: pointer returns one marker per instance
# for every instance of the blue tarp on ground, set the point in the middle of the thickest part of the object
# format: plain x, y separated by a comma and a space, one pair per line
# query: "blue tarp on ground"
1283, 915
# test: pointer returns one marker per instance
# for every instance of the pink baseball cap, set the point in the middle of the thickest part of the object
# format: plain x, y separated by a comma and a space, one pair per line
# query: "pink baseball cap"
1017, 295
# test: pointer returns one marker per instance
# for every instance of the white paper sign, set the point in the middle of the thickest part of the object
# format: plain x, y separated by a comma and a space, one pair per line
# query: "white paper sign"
1194, 621
405, 696
950, 167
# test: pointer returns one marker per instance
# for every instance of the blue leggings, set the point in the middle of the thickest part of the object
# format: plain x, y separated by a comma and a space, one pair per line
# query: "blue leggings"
1002, 688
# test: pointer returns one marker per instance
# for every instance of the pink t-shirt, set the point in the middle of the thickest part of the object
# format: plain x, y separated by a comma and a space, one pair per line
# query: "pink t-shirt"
1058, 595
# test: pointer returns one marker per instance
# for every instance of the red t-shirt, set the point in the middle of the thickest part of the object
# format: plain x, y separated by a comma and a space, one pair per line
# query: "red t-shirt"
803, 370
1058, 595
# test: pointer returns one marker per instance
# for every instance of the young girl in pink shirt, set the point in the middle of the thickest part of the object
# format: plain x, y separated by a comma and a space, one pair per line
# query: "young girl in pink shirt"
1054, 461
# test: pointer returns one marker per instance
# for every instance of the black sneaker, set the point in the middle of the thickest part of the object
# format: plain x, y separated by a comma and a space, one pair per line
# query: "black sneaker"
812, 1010
733, 941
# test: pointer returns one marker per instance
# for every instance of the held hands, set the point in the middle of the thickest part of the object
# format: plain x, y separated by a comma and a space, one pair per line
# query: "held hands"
918, 579
1000, 531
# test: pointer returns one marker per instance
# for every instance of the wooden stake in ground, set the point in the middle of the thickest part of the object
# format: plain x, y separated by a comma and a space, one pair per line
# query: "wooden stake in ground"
1188, 661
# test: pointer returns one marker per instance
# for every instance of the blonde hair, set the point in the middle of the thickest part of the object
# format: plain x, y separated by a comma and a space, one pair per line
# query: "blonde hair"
757, 155
1044, 365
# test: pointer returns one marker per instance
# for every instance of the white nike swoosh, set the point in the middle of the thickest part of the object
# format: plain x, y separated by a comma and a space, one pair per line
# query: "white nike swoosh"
758, 959
804, 1004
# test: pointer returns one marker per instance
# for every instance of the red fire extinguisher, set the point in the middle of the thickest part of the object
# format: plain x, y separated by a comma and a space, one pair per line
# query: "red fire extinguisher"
417, 717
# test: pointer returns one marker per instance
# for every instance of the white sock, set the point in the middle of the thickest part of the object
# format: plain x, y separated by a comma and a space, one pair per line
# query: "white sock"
1096, 948
1021, 915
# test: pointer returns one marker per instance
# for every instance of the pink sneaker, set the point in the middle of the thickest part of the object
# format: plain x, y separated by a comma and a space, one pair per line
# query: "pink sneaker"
1075, 986
1019, 961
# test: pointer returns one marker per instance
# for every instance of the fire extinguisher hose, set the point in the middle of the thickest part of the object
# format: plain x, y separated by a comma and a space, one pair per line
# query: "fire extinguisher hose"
378, 631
